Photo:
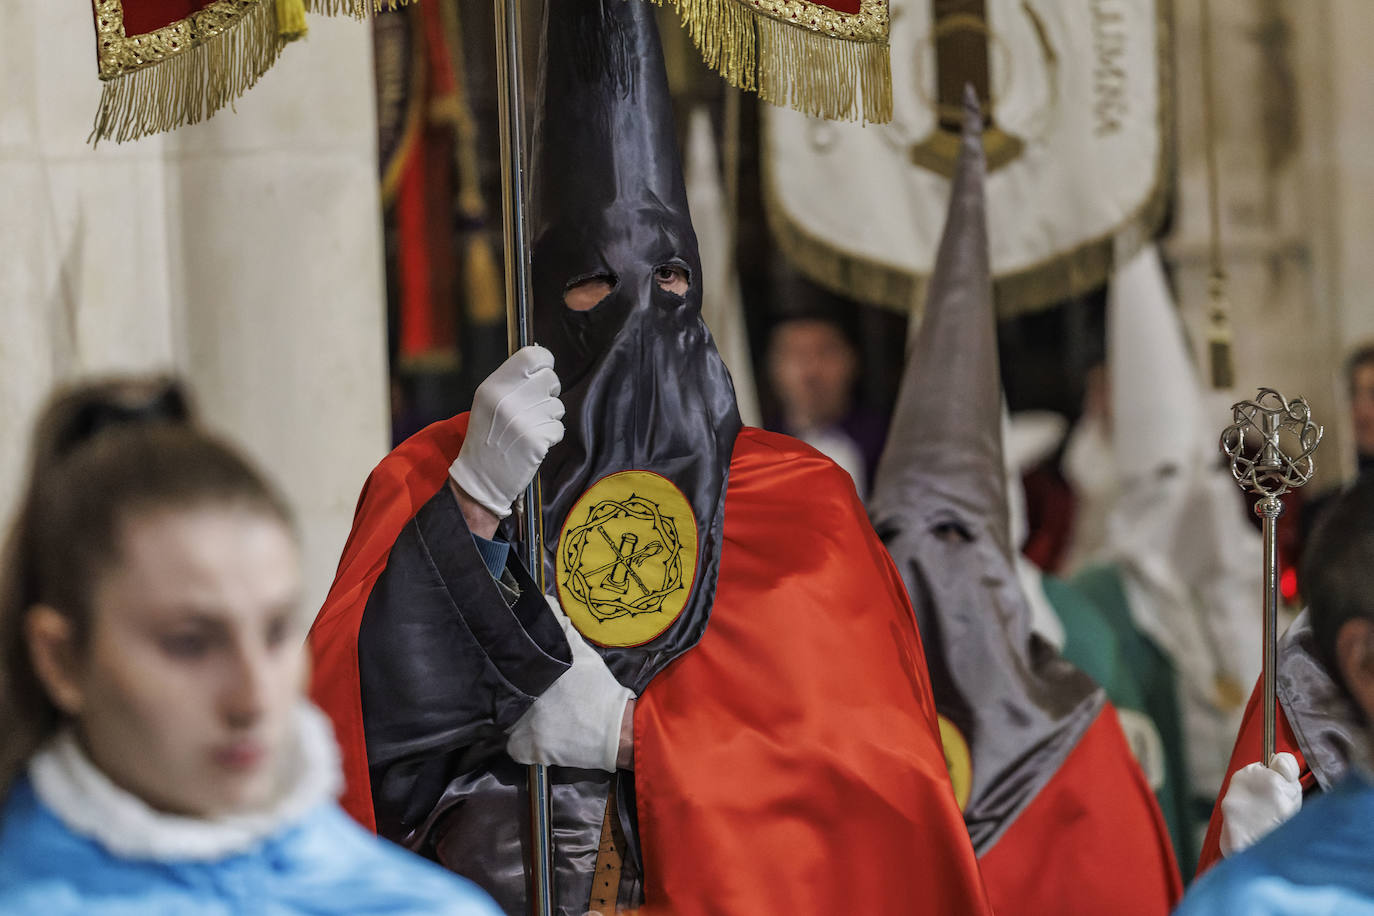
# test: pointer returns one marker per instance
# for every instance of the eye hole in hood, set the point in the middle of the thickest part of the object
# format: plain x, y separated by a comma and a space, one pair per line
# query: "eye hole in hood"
582, 294
674, 278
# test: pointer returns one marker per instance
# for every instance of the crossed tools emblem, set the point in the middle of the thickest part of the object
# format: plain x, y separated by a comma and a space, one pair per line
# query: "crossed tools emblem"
607, 568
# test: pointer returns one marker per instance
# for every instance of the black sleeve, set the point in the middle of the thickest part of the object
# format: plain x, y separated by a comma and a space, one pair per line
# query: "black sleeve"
446, 667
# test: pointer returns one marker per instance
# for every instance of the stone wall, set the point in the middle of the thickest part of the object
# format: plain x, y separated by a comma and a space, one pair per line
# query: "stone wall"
1294, 121
243, 253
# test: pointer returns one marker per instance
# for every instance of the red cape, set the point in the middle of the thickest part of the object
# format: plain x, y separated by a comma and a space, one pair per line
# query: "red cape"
778, 767
395, 490
1089, 842
1249, 747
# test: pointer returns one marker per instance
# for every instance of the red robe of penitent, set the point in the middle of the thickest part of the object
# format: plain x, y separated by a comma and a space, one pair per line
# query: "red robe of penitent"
791, 761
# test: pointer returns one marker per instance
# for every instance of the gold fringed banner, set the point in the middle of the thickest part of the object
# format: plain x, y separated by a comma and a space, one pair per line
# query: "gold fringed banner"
798, 54
181, 71
358, 9
819, 59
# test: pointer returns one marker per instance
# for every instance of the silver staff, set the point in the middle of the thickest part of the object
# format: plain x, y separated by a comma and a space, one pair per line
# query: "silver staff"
519, 318
1260, 464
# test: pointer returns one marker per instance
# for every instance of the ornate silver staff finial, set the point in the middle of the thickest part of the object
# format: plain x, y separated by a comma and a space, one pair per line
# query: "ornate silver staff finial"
1270, 470
1270, 443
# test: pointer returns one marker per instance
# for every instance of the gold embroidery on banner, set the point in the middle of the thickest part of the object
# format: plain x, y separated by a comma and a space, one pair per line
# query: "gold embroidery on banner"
797, 54
186, 71
868, 24
120, 53
358, 9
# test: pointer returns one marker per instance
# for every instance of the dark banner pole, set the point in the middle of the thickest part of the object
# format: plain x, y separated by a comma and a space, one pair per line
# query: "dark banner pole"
518, 325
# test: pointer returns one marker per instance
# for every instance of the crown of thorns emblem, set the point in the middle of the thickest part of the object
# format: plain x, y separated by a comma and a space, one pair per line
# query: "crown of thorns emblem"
624, 560
1254, 443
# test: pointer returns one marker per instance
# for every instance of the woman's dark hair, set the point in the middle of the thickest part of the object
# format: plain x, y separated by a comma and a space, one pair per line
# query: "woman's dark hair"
102, 451
1338, 568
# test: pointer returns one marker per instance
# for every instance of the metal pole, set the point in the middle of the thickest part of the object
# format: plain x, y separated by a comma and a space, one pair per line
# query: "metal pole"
1269, 509
1254, 444
511, 97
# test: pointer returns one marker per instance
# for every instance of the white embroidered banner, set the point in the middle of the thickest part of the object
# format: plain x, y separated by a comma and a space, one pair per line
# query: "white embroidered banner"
1078, 150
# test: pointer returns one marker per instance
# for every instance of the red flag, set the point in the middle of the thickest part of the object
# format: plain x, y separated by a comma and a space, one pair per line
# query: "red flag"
171, 62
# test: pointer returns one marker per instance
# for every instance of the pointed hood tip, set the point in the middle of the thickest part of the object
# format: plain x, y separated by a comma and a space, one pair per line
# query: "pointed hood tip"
603, 91
972, 157
1156, 393
946, 431
973, 112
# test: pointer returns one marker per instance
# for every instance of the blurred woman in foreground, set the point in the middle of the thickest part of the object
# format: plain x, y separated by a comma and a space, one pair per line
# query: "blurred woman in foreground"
157, 754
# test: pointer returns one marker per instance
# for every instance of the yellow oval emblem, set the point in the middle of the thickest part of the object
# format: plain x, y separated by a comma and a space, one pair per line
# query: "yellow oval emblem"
958, 760
627, 558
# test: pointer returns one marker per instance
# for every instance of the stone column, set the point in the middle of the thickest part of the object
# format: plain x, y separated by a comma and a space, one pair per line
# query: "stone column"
243, 252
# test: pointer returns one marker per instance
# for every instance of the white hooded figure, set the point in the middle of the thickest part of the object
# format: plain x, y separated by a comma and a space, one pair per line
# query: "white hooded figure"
1028, 438
1156, 501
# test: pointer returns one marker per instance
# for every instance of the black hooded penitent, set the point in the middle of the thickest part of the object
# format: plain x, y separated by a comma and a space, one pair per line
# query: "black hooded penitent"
643, 384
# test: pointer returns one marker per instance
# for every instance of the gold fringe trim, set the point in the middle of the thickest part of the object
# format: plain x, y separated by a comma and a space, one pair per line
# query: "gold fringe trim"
193, 84
820, 62
358, 9
1039, 286
791, 52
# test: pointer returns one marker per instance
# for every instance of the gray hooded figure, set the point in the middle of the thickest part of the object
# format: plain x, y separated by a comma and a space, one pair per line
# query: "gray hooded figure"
1012, 710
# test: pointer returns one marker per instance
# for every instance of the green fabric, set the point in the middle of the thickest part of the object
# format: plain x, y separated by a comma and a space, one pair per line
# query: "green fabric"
1091, 644
1136, 675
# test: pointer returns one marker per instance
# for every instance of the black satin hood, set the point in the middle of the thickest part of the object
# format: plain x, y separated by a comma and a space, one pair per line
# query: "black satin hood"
643, 384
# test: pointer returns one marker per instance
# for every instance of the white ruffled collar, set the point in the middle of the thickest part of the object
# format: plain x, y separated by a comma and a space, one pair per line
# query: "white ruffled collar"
89, 804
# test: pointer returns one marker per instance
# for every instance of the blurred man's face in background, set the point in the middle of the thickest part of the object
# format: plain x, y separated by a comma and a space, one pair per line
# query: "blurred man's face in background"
812, 367
1362, 407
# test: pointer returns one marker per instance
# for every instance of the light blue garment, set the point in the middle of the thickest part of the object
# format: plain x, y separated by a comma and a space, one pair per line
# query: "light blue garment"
1319, 863
321, 864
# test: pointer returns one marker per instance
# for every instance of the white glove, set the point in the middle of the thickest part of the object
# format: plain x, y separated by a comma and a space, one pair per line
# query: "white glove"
516, 418
576, 722
1258, 800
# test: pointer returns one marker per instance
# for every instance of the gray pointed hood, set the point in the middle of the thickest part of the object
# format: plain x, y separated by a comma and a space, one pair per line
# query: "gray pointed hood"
1011, 708
946, 437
